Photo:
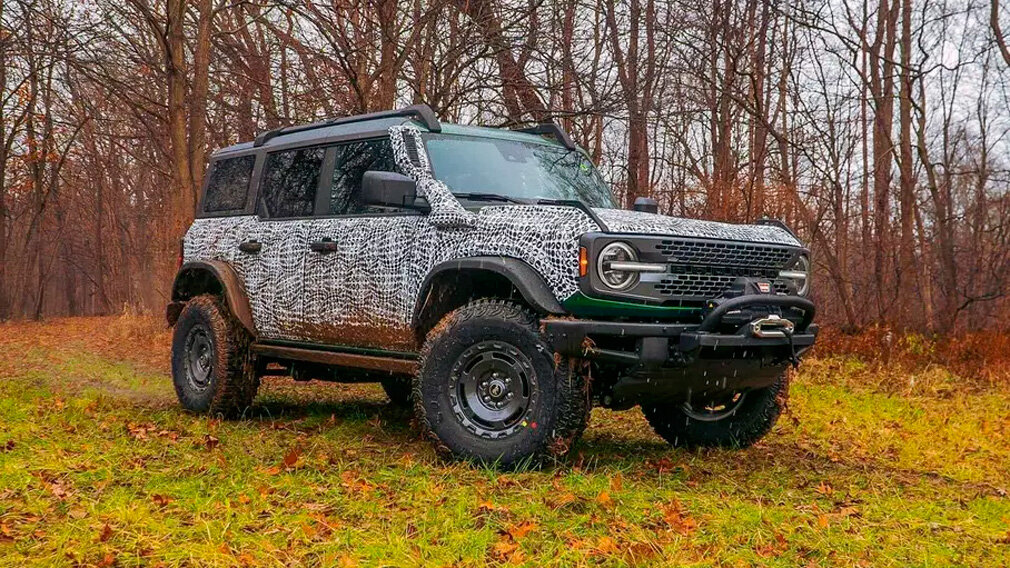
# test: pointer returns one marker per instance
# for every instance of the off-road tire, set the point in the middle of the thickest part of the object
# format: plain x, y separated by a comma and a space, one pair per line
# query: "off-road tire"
753, 419
231, 382
559, 406
399, 389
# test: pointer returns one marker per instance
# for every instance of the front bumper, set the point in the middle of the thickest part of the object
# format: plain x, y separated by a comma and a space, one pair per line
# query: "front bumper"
658, 361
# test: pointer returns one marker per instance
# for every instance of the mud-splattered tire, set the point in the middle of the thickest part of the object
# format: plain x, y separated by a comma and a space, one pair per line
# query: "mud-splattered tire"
211, 365
399, 389
489, 390
742, 426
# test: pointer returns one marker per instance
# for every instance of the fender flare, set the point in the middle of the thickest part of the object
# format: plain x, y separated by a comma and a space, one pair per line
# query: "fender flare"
231, 288
524, 277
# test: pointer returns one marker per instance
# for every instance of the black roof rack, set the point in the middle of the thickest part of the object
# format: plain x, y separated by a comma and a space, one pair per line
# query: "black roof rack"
769, 221
551, 129
422, 112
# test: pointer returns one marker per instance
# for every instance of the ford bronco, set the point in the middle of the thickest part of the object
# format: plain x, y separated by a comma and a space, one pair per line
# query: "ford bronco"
486, 277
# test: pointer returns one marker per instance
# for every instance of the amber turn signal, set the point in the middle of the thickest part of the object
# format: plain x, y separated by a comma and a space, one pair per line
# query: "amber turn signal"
583, 261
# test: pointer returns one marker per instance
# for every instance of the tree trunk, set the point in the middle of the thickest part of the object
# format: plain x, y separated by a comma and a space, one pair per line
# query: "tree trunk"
183, 204
906, 250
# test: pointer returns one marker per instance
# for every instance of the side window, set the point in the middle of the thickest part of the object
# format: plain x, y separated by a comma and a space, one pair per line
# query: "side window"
351, 163
228, 186
288, 187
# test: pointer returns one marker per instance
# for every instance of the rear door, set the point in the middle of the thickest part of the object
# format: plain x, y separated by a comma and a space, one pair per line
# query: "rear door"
278, 241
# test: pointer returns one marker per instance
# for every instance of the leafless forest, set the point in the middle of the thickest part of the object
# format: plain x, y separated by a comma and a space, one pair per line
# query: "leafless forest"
878, 129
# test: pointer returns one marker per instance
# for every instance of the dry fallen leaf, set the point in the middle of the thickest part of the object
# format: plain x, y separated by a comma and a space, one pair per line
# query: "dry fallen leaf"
161, 500
521, 530
604, 499
617, 482
605, 545
506, 549
105, 534
292, 457
561, 499
676, 519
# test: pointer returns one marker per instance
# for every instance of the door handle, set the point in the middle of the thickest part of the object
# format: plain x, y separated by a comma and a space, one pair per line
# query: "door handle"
250, 246
324, 246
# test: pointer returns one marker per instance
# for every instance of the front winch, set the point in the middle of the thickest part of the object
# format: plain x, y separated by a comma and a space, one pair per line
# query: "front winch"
771, 326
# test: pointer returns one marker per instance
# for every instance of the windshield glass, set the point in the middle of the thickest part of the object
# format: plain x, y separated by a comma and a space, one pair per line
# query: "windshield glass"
518, 170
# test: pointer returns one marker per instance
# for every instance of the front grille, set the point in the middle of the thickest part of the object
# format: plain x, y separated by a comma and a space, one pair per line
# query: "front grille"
704, 286
723, 253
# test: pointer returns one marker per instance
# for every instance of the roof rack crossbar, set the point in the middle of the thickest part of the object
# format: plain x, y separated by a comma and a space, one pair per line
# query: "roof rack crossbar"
552, 129
422, 112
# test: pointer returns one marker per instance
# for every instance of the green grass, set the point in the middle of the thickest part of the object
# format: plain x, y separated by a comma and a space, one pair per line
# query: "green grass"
98, 466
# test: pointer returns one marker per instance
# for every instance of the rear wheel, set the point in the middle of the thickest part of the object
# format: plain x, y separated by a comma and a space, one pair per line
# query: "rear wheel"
734, 420
489, 390
211, 366
399, 389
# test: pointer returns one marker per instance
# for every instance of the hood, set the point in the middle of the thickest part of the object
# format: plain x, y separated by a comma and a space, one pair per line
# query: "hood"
624, 221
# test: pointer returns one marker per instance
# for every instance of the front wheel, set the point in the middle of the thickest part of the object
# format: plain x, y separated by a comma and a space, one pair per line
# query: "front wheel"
489, 390
731, 420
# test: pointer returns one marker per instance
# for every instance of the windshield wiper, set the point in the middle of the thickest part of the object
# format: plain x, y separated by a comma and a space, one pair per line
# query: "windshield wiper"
489, 197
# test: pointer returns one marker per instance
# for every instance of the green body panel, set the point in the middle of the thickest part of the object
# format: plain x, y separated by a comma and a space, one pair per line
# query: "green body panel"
578, 304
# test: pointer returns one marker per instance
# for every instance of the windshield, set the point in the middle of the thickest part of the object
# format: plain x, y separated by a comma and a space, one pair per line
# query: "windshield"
517, 170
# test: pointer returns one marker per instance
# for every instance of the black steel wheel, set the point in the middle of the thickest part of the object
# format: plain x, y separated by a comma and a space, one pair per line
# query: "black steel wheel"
493, 388
730, 420
211, 366
715, 408
198, 362
489, 390
398, 388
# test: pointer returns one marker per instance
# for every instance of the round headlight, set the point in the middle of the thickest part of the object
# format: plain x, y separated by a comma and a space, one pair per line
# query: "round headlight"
616, 252
799, 273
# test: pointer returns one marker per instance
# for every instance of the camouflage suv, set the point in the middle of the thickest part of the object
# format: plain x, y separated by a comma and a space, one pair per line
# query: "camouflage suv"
487, 278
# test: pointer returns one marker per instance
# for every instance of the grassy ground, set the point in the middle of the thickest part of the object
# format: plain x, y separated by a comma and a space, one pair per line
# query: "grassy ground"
98, 466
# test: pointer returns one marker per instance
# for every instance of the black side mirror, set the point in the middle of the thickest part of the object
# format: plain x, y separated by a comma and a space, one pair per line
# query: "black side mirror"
388, 189
646, 205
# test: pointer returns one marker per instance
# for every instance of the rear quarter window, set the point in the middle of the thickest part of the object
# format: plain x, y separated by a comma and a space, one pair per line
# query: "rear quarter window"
228, 186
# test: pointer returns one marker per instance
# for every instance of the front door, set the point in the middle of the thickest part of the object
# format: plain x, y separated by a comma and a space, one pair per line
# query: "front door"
357, 290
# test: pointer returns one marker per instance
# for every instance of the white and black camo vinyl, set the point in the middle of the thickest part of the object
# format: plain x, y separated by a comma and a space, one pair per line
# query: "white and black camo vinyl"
365, 292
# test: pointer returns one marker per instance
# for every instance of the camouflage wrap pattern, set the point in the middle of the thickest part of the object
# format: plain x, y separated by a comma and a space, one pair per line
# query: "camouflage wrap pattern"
365, 293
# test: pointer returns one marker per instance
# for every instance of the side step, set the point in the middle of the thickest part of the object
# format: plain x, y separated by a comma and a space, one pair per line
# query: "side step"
337, 358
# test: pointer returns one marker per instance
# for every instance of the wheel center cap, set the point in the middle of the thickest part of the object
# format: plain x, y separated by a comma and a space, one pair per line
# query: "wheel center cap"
496, 388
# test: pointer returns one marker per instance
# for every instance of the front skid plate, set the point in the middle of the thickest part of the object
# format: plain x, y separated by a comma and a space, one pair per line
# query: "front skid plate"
703, 377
